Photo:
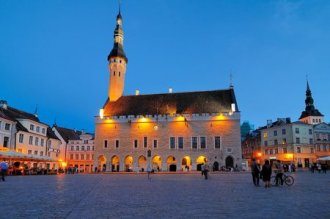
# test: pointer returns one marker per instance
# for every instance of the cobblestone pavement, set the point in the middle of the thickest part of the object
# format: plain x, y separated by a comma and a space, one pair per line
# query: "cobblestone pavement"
224, 195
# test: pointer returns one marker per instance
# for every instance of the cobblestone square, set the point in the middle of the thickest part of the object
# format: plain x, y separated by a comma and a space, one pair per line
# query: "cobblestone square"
224, 195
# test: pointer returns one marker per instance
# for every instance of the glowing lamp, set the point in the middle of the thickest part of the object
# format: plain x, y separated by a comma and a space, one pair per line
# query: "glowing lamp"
101, 113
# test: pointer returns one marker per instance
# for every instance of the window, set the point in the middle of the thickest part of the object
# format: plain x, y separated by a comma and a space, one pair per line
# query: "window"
194, 142
82, 156
38, 129
155, 143
136, 143
172, 142
275, 133
35, 152
283, 131
77, 156
29, 151
49, 143
31, 127
265, 143
85, 141
105, 143
77, 148
82, 148
114, 73
265, 134
5, 142
42, 141
275, 142
41, 153
180, 142
324, 147
297, 130
43, 130
312, 150
36, 141
298, 150
217, 142
271, 151
284, 141
318, 148
117, 144
72, 148
298, 140
310, 141
71, 156
7, 126
119, 74
93, 148
21, 138
285, 150
276, 151
145, 142
310, 131
31, 140
203, 142
88, 148
87, 157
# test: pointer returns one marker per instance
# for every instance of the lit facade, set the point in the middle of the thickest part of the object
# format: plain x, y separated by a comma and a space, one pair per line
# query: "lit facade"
169, 132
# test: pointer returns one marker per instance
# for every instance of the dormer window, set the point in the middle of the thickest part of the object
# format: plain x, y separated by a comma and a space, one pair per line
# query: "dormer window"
31, 127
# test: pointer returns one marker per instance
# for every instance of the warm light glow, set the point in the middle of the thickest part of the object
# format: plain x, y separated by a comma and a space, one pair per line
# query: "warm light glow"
156, 127
288, 156
64, 164
101, 113
201, 159
180, 119
143, 120
259, 154
219, 117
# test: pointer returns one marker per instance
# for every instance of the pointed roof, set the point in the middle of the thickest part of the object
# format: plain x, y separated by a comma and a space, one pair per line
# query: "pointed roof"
309, 102
68, 134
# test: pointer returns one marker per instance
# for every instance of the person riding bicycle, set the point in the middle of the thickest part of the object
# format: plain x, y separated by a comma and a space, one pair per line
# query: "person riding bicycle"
279, 172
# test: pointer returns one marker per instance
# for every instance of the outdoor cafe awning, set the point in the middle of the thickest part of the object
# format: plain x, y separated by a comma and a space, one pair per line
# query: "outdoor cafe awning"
324, 158
14, 155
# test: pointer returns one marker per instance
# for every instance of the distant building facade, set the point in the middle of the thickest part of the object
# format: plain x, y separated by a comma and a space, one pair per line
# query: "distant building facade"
169, 132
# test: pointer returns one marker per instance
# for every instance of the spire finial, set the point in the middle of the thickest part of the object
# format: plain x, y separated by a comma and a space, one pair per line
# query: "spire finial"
119, 5
231, 79
36, 111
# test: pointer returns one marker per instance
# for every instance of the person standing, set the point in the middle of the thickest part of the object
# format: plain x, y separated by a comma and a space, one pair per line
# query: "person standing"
4, 168
266, 173
279, 173
255, 172
149, 169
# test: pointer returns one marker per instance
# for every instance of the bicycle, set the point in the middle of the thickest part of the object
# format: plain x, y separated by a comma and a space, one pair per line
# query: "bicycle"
288, 180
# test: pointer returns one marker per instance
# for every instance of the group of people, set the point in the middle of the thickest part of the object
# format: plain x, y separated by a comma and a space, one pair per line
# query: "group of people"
318, 167
265, 173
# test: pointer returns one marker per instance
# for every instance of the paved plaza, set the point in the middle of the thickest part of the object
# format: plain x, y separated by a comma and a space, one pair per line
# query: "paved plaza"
224, 195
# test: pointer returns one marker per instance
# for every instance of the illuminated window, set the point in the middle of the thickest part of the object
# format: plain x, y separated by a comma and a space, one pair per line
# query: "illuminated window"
172, 142
217, 142
284, 141
194, 142
265, 134
180, 142
202, 142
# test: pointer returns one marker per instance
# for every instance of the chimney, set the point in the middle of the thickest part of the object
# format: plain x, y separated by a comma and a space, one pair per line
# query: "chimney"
269, 123
3, 104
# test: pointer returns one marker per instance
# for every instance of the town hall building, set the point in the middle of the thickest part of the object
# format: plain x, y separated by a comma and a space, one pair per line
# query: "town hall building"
166, 131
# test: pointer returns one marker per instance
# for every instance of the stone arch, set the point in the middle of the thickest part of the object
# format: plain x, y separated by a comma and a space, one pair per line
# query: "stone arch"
171, 163
157, 163
186, 163
229, 162
115, 163
102, 165
128, 161
142, 163
215, 166
200, 161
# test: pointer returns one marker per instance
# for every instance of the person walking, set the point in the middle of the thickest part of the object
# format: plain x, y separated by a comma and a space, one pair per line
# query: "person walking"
149, 169
255, 170
266, 173
206, 170
4, 168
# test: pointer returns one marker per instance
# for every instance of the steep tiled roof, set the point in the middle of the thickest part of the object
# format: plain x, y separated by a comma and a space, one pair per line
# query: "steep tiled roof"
51, 134
68, 134
18, 114
178, 103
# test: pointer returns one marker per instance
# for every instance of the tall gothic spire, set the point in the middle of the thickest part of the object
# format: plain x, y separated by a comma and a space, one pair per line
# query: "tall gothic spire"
118, 37
309, 102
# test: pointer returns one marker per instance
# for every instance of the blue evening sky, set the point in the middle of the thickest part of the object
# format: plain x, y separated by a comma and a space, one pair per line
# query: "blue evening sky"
53, 53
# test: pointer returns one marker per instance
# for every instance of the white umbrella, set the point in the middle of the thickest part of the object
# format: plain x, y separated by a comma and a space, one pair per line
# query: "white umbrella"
324, 158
